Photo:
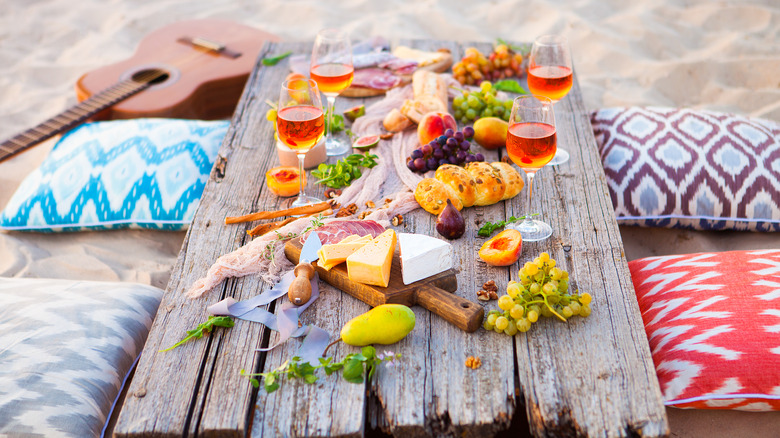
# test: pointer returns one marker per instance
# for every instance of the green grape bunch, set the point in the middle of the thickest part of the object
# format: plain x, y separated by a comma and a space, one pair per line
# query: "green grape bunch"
543, 290
472, 105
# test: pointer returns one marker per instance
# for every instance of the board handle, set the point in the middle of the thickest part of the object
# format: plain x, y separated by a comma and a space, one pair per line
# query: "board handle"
460, 312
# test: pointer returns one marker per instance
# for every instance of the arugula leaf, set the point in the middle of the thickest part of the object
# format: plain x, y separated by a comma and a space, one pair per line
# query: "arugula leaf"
273, 60
510, 86
487, 229
201, 329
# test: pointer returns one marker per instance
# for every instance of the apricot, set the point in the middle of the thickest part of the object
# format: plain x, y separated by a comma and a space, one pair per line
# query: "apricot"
490, 132
433, 124
503, 249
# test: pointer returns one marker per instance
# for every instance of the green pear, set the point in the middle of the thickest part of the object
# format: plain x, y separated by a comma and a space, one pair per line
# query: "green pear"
384, 324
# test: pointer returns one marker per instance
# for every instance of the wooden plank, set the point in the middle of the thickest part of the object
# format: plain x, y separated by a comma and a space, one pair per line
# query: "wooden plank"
197, 386
331, 406
433, 392
590, 376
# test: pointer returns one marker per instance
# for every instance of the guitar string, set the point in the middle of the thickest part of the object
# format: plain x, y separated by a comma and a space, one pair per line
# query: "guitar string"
115, 93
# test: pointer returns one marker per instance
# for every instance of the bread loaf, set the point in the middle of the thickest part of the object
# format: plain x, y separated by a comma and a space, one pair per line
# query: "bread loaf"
432, 196
430, 94
477, 184
512, 179
489, 185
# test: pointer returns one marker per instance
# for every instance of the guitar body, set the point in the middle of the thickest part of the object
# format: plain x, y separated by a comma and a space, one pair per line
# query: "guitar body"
199, 83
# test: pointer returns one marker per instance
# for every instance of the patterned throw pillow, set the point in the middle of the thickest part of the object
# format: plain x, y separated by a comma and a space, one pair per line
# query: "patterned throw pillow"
141, 173
713, 322
66, 348
690, 169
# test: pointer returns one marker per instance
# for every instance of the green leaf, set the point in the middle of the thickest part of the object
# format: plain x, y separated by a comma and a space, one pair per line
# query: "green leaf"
368, 351
353, 371
510, 86
310, 378
273, 60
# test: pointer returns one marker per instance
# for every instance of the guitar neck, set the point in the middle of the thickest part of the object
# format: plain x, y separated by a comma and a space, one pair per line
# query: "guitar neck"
71, 117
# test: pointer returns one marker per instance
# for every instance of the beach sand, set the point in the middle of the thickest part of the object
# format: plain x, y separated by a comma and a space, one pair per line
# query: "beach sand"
716, 55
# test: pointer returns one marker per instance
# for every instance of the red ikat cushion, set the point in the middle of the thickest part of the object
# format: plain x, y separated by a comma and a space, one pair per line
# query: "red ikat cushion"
681, 168
713, 322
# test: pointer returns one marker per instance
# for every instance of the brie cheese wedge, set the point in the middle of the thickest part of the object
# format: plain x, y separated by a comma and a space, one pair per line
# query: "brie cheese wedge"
423, 256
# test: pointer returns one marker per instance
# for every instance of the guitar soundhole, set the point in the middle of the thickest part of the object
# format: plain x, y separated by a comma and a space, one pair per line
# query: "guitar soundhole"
152, 76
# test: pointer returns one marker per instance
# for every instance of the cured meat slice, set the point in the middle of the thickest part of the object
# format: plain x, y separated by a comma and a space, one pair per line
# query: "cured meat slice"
375, 78
334, 232
399, 66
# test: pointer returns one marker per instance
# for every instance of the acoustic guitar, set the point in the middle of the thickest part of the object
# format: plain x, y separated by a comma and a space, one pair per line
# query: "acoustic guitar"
193, 69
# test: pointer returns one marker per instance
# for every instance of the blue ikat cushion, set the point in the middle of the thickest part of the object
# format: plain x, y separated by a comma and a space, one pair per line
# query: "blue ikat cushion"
693, 169
140, 173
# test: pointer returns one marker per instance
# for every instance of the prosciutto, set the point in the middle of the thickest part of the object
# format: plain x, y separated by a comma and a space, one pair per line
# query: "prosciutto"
375, 78
335, 231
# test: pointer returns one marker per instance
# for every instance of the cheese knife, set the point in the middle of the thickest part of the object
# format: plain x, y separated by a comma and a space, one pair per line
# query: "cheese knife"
299, 292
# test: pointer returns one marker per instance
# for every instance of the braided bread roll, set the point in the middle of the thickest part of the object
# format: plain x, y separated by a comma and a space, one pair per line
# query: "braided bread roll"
478, 183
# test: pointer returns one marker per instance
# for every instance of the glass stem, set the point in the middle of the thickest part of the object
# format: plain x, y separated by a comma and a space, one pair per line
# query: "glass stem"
301, 158
528, 220
331, 106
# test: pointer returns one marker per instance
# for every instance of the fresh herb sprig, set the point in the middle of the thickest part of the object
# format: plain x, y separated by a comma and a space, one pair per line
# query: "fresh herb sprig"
524, 49
489, 227
201, 329
353, 367
344, 171
273, 60
338, 122
270, 247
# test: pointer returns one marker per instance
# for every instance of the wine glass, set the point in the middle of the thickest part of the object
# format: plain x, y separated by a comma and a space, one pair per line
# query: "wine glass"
331, 67
531, 144
550, 74
300, 124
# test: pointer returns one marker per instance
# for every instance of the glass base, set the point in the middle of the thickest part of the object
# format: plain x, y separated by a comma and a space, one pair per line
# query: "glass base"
533, 230
561, 156
300, 201
335, 146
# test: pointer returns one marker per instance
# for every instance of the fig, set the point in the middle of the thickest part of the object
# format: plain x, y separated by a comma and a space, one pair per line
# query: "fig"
450, 223
353, 113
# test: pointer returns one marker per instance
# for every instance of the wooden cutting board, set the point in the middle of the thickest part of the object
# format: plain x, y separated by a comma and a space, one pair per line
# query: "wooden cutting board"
433, 293
438, 67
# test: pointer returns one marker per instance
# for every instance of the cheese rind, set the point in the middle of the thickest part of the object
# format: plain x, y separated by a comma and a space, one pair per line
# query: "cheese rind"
423, 256
371, 263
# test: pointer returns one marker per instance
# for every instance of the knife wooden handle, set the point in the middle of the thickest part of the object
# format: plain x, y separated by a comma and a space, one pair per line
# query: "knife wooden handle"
299, 292
461, 312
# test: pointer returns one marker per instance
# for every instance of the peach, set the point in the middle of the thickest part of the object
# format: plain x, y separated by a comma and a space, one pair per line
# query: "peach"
433, 124
503, 249
490, 132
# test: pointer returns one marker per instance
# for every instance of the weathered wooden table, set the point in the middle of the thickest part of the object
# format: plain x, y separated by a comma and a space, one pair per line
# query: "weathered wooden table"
589, 377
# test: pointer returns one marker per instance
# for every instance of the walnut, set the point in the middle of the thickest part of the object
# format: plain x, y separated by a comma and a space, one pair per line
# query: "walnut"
370, 204
388, 200
397, 220
492, 295
363, 215
331, 193
490, 286
349, 210
483, 295
473, 362
506, 159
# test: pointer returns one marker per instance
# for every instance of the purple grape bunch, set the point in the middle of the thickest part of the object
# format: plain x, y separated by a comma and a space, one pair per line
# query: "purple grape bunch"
454, 147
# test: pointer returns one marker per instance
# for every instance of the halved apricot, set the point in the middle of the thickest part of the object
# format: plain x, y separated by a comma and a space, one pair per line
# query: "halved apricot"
503, 249
283, 181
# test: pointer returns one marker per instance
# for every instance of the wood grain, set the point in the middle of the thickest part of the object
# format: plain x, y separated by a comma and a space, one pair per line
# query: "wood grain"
587, 377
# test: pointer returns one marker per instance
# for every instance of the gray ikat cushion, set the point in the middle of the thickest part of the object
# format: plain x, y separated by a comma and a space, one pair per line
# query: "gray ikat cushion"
682, 168
66, 348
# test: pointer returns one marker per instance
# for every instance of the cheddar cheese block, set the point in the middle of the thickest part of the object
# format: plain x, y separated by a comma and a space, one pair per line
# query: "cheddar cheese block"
371, 263
331, 255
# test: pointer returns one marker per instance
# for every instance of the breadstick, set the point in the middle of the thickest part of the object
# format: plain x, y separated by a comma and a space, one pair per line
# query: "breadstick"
271, 226
304, 210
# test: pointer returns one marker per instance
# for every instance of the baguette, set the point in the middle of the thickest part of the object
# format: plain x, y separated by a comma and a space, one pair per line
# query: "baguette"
430, 94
